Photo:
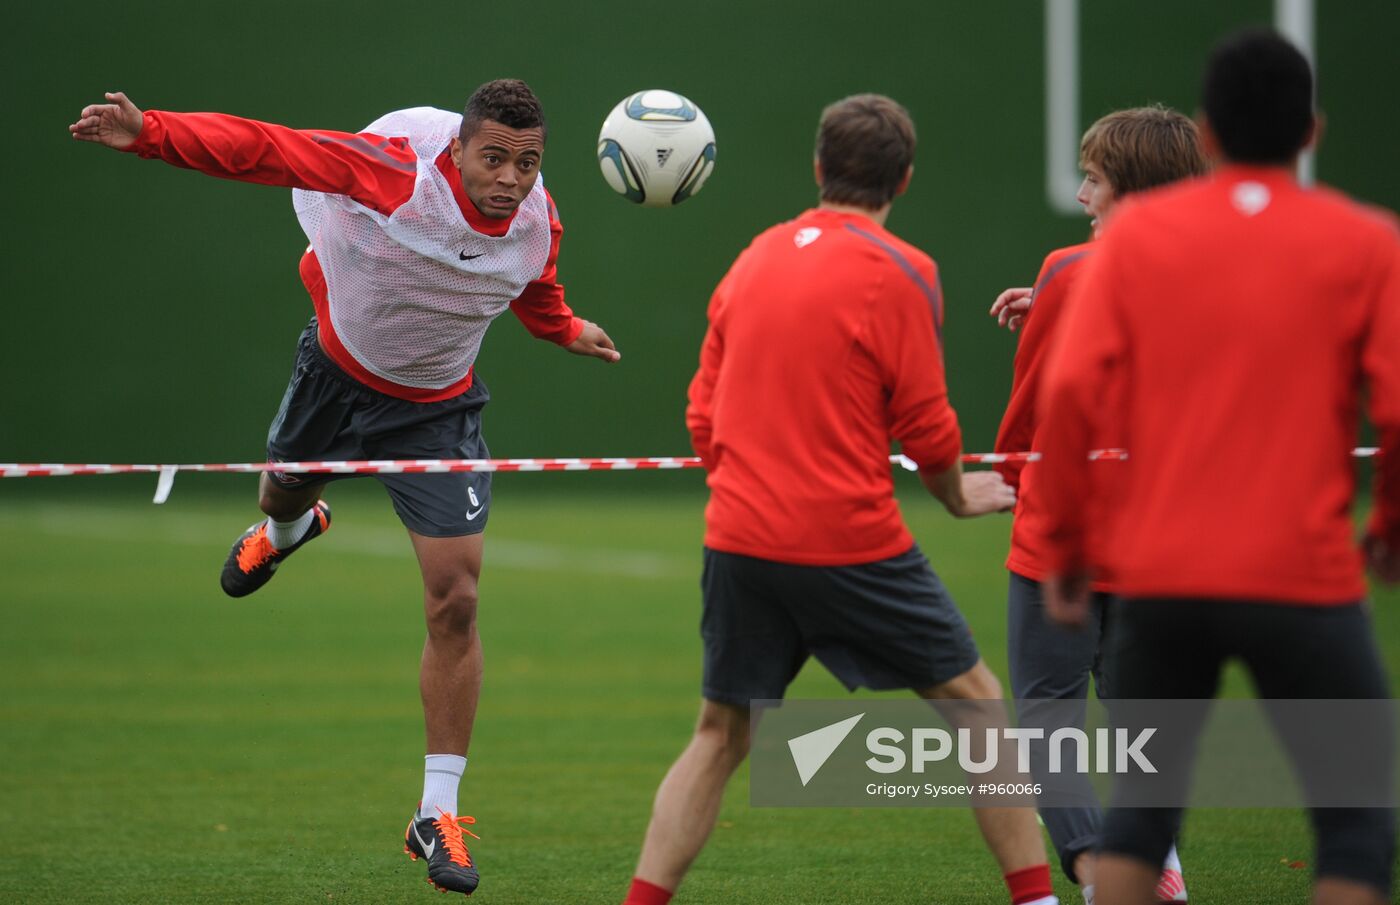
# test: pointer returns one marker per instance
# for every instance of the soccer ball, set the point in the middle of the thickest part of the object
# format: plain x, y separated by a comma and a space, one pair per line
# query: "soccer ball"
656, 148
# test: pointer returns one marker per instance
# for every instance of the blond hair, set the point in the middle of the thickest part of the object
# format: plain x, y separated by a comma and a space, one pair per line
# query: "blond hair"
1143, 148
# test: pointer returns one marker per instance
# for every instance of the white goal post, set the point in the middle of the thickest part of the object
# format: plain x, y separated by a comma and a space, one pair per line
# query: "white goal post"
1294, 18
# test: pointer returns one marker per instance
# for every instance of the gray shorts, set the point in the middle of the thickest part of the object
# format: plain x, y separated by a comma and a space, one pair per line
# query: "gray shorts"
881, 625
328, 415
1050, 662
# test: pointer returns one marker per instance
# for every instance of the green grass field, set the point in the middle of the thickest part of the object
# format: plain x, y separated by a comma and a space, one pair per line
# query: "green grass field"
161, 743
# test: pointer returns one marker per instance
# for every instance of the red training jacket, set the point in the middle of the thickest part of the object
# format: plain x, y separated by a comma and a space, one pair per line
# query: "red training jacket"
375, 171
823, 344
1240, 315
1019, 431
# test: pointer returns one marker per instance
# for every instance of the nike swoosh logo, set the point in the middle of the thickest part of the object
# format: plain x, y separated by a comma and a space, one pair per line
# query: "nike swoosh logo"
426, 846
466, 257
474, 513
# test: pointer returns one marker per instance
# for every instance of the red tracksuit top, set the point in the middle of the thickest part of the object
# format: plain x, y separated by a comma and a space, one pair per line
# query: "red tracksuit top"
1240, 315
368, 169
1019, 431
823, 344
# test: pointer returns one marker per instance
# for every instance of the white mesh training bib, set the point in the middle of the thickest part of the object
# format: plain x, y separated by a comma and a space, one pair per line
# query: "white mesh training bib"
411, 294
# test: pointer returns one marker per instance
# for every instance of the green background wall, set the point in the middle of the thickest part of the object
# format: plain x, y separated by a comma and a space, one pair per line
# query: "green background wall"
150, 313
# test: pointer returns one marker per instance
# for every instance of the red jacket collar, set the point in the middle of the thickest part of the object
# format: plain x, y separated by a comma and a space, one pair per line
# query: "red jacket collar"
478, 221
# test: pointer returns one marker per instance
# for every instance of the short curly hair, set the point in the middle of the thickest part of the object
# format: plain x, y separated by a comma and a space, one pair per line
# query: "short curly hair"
509, 102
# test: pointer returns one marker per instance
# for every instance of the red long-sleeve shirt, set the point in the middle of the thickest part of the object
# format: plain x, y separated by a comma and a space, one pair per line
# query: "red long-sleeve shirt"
1241, 315
1020, 426
823, 344
376, 171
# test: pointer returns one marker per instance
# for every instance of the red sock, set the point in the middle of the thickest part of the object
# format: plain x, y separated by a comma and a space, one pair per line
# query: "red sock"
644, 893
1029, 884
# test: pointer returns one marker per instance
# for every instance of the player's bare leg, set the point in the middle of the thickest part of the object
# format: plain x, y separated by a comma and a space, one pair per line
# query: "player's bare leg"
450, 683
1085, 867
450, 678
286, 504
295, 515
1011, 833
687, 803
1336, 891
1119, 880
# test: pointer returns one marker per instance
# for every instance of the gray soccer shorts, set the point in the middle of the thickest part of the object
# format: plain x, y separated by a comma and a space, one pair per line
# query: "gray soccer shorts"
328, 415
881, 625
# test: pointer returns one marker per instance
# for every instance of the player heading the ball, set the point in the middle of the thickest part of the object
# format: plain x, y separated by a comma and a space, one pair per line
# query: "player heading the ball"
424, 227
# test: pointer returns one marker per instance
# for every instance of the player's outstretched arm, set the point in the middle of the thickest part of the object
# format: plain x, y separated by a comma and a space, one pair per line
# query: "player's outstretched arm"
594, 342
970, 494
115, 124
378, 172
1012, 306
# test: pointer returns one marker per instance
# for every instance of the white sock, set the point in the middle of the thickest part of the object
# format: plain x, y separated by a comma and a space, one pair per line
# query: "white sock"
1044, 900
283, 534
1088, 894
441, 774
1173, 861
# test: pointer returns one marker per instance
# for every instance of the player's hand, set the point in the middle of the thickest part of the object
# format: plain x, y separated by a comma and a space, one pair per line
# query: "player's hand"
1067, 599
1382, 559
115, 124
594, 342
983, 492
1011, 307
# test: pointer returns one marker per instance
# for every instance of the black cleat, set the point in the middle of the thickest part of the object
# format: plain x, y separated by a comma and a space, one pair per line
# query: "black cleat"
253, 559
438, 840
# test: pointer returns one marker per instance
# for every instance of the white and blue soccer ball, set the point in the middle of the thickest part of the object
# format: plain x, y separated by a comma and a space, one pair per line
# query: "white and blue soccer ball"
656, 148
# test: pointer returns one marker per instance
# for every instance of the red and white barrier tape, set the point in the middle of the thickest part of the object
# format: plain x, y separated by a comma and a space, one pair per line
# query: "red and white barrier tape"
167, 473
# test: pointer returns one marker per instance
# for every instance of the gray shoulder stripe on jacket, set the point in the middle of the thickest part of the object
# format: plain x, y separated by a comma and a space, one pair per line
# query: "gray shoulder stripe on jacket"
933, 294
1059, 265
368, 148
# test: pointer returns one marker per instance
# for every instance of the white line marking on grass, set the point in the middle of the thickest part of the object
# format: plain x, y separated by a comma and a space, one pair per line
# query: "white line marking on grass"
191, 529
